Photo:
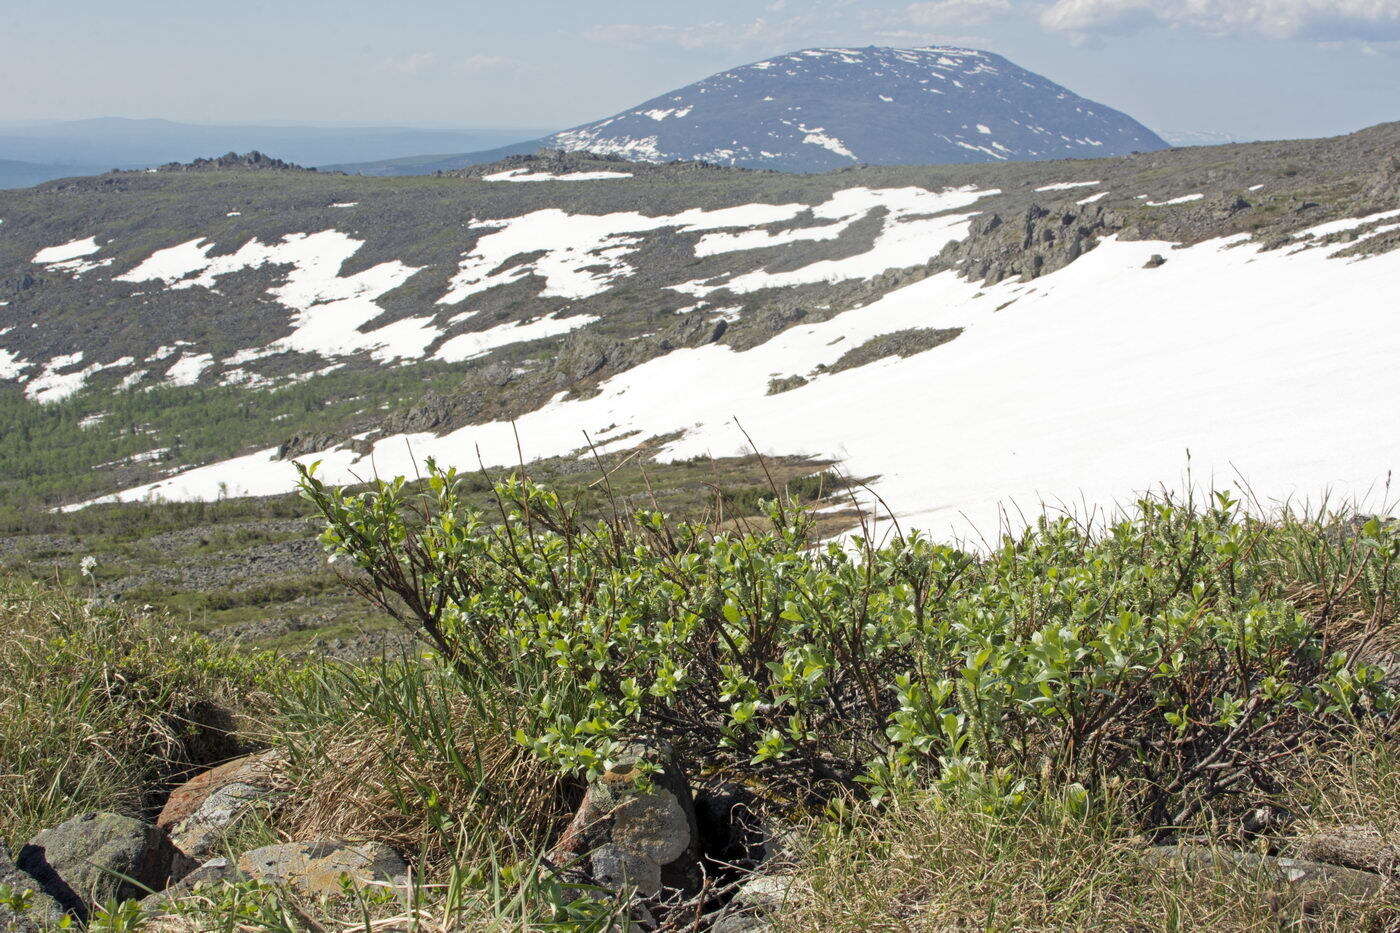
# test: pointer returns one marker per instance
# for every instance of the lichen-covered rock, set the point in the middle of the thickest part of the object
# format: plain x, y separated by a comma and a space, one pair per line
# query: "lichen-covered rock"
1316, 882
201, 812
26, 907
1361, 847
96, 857
316, 868
625, 835
213, 872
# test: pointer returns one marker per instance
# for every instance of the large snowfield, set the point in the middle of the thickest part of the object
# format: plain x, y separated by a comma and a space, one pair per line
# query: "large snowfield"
1080, 389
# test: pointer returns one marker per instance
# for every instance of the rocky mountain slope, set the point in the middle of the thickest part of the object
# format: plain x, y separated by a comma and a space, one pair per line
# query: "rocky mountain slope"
153, 322
819, 109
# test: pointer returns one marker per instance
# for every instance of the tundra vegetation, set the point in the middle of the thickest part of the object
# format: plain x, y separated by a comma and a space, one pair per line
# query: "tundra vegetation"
1006, 736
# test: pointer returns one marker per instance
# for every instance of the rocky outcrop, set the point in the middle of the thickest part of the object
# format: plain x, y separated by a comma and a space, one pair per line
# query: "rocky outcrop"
233, 160
1030, 244
1385, 184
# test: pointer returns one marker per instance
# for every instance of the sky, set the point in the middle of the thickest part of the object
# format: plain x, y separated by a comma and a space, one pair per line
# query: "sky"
1249, 69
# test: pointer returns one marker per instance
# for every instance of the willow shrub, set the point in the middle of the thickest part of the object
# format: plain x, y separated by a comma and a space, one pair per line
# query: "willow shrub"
1165, 651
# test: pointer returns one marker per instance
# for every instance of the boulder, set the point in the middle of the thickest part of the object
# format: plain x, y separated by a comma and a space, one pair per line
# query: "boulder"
316, 868
1317, 882
636, 833
25, 906
216, 871
96, 857
200, 813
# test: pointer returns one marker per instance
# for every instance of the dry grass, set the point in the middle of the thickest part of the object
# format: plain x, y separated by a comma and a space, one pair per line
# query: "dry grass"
399, 754
925, 864
101, 709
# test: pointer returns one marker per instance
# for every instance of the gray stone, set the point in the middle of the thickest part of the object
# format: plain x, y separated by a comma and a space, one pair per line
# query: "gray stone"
214, 872
200, 813
97, 857
39, 911
1364, 848
1316, 881
625, 836
316, 868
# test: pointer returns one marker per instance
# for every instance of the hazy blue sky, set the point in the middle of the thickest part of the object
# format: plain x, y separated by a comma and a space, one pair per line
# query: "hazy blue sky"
1251, 67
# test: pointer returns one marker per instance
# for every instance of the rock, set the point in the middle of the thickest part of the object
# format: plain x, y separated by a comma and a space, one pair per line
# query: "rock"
644, 839
213, 872
90, 858
39, 910
200, 813
1037, 242
1156, 260
1360, 847
780, 384
315, 868
1315, 881
1385, 184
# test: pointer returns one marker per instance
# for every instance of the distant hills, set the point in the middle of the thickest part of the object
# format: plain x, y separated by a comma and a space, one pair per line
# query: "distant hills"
80, 147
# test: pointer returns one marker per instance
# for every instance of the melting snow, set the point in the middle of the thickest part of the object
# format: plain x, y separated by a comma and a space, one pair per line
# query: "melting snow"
1093, 197
520, 174
328, 309
1184, 199
819, 137
187, 369
1068, 185
904, 241
479, 343
584, 253
66, 251
11, 365
1015, 408
1341, 226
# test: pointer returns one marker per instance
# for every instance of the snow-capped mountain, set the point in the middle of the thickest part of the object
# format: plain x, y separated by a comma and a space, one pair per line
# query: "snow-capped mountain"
820, 109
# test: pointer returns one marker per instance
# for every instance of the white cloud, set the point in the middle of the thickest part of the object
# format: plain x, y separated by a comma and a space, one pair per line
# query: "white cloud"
1318, 20
419, 64
693, 36
476, 64
938, 13
413, 63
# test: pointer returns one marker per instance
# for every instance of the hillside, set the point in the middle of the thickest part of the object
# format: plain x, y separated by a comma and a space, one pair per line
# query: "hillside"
819, 109
152, 322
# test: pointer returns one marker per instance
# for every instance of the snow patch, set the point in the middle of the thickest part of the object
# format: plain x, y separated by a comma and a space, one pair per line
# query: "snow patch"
66, 251
479, 343
1014, 409
1068, 185
521, 174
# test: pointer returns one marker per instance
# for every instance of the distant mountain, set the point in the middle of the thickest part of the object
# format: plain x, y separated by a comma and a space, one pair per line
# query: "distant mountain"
112, 142
1203, 138
15, 174
821, 109
428, 164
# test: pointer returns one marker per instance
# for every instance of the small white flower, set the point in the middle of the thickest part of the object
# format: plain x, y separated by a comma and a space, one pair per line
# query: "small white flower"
87, 565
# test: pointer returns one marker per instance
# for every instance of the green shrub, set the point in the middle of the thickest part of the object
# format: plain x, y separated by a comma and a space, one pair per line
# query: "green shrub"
1165, 651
